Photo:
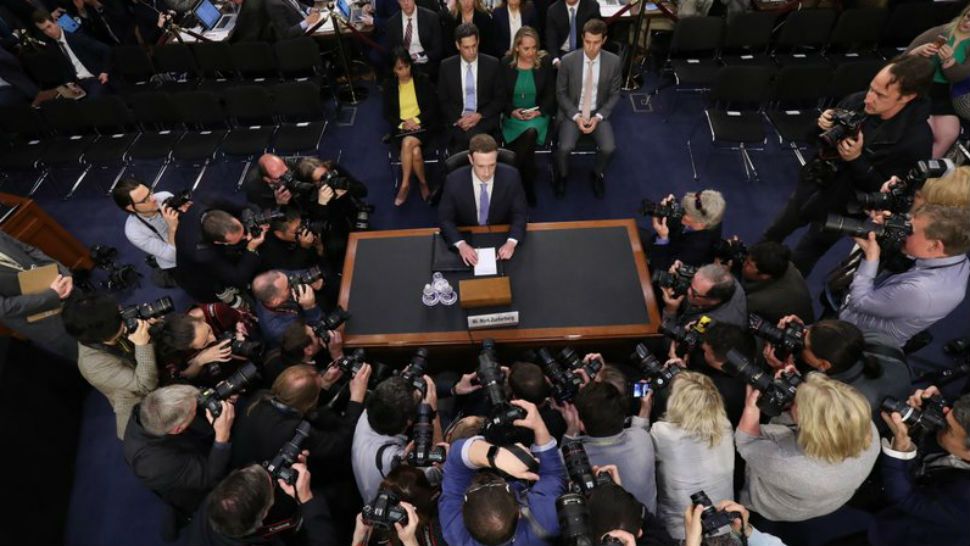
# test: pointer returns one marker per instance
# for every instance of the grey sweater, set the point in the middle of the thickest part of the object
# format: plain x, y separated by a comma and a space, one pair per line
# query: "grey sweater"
783, 484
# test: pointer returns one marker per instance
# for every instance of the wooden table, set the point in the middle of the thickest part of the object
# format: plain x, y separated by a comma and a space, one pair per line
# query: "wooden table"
385, 271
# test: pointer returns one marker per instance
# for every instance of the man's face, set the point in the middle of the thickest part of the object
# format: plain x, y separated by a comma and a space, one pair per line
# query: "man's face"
275, 168
809, 357
883, 98
50, 29
203, 336
697, 293
407, 6
918, 246
953, 438
237, 235
592, 43
468, 47
143, 200
750, 271
314, 346
290, 233
484, 164
282, 285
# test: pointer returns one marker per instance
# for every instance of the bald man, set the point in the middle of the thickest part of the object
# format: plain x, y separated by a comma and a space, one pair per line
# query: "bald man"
262, 182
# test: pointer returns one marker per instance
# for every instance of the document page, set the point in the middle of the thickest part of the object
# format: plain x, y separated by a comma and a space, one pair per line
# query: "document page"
486, 262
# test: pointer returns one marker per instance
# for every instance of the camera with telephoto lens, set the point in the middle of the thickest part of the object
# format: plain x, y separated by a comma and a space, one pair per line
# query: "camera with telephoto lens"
654, 371
424, 453
891, 235
569, 358
146, 311
329, 322
120, 276
580, 472
845, 124
713, 521
789, 341
565, 384
673, 211
678, 281
730, 250
384, 511
362, 214
313, 227
295, 185
243, 348
930, 418
899, 198
413, 374
777, 395
178, 200
308, 276
211, 399
574, 526
253, 222
281, 467
335, 180
351, 364
498, 428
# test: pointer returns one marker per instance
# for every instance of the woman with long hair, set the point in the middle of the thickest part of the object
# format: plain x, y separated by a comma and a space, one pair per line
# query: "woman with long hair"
508, 18
469, 11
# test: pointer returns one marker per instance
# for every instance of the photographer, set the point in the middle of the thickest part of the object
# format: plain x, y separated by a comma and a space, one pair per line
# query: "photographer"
263, 185
338, 203
928, 488
190, 346
894, 135
290, 244
177, 451
691, 238
774, 286
907, 303
600, 415
483, 508
300, 345
713, 292
526, 382
694, 529
719, 338
420, 500
693, 446
380, 439
615, 512
119, 363
813, 469
278, 304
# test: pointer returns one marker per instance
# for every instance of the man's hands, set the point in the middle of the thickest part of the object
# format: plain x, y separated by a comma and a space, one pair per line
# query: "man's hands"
660, 226
313, 18
825, 120
362, 532
532, 421
255, 242
468, 254
671, 303
407, 533
468, 120
430, 393
464, 385
869, 246
324, 195
140, 336
222, 424
306, 238
901, 439
330, 376
505, 251
646, 406
62, 286
304, 296
850, 148
103, 78
587, 126
282, 195
301, 492
219, 352
171, 217
574, 426
358, 385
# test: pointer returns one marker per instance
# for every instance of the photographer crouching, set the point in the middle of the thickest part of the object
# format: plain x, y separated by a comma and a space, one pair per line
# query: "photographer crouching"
869, 137
710, 290
688, 230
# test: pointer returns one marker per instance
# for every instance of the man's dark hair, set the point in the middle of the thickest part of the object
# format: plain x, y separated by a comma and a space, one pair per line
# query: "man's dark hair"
613, 508
294, 340
961, 414
216, 224
721, 337
771, 258
482, 143
391, 407
913, 73
289, 214
237, 505
122, 192
174, 334
490, 511
41, 15
723, 286
93, 318
465, 30
528, 382
842, 345
602, 409
595, 26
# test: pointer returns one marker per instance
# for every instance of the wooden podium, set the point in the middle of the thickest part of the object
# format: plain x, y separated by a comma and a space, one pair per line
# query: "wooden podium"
23, 219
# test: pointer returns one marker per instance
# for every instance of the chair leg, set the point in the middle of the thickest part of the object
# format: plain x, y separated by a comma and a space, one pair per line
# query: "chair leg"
749, 169
40, 181
124, 167
798, 153
161, 172
245, 171
690, 154
77, 183
198, 179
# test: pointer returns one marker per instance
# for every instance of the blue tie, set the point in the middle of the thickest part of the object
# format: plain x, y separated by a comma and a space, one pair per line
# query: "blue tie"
483, 206
471, 103
572, 29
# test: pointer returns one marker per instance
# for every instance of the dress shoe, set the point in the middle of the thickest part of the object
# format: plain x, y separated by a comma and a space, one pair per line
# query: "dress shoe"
599, 184
402, 195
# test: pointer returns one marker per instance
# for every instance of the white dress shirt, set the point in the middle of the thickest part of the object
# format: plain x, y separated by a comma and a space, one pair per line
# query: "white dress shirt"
596, 83
515, 23
414, 47
82, 72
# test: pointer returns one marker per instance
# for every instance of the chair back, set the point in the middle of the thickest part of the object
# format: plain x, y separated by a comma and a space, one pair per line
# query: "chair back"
249, 104
298, 101
801, 83
458, 160
200, 109
107, 114
806, 28
696, 35
254, 60
852, 77
749, 30
298, 57
739, 85
154, 110
132, 63
858, 29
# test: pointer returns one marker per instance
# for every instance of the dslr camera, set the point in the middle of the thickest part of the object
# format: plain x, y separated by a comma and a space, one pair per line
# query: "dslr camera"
294, 185
930, 419
789, 341
673, 211
253, 222
574, 524
146, 311
498, 428
653, 370
565, 384
384, 511
890, 235
580, 472
242, 348
777, 395
713, 521
211, 399
425, 453
281, 467
687, 338
731, 250
329, 322
120, 276
413, 374
307, 277
178, 200
352, 363
845, 124
678, 282
899, 198
335, 180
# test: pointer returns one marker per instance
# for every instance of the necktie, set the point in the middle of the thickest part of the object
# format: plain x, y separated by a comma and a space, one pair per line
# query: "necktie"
483, 206
588, 90
471, 103
407, 35
572, 29
67, 56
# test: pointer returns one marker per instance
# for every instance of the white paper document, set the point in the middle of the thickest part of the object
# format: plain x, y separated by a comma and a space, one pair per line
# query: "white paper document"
486, 262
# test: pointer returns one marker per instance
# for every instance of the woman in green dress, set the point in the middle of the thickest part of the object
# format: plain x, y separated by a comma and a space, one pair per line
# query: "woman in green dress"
530, 83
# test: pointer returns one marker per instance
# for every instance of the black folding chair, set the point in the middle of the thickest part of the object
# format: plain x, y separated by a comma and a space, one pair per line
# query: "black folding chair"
793, 106
205, 121
215, 64
693, 54
851, 77
26, 139
255, 62
176, 64
302, 116
904, 23
803, 36
856, 35
253, 122
133, 69
458, 160
160, 130
299, 59
74, 134
747, 37
114, 123
44, 66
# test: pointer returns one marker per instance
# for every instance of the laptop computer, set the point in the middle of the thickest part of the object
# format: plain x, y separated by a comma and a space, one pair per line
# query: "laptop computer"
210, 18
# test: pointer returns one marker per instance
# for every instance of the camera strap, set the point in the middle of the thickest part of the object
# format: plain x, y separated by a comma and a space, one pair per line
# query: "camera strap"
379, 458
151, 227
521, 454
283, 408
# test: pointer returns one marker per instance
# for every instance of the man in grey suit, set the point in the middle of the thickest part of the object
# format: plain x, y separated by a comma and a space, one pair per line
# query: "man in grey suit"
47, 333
587, 88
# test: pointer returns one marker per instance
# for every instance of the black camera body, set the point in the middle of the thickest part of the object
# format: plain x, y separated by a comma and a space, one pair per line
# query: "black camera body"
678, 281
673, 211
295, 185
777, 395
425, 453
929, 419
335, 319
211, 399
712, 519
146, 311
731, 250
565, 384
413, 375
281, 467
352, 363
574, 526
384, 511
178, 200
789, 341
898, 200
307, 277
688, 338
891, 235
845, 124
253, 222
335, 180
580, 471
654, 371
499, 428
120, 276
242, 348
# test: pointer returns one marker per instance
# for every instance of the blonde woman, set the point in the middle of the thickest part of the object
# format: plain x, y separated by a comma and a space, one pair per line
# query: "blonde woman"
693, 449
812, 469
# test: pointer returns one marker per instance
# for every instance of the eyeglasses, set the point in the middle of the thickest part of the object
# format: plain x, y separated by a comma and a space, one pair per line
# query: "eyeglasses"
148, 198
692, 292
699, 205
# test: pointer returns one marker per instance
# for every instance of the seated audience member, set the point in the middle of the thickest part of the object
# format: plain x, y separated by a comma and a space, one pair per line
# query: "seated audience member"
508, 18
587, 88
740, 527
151, 225
411, 109
472, 12
278, 303
907, 303
176, 450
290, 18
601, 412
380, 437
694, 238
720, 338
928, 487
16, 87
527, 382
614, 512
419, 499
565, 25
301, 345
119, 363
468, 89
190, 347
713, 292
529, 82
263, 184
215, 256
484, 508
234, 512
83, 60
252, 23
774, 286
418, 31
338, 209
694, 448
109, 22
795, 474
484, 193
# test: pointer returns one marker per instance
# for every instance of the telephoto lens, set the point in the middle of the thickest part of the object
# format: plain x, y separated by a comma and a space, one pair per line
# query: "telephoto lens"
211, 399
654, 371
930, 419
281, 467
413, 374
425, 453
574, 527
789, 341
580, 471
146, 311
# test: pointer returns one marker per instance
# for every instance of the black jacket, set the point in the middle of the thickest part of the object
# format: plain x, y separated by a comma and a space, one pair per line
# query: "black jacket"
451, 94
180, 468
557, 24
486, 33
500, 22
427, 102
694, 248
777, 298
507, 205
429, 33
318, 528
94, 55
545, 77
252, 23
285, 20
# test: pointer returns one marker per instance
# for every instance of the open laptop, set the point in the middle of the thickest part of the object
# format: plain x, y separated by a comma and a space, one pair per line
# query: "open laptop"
210, 18
351, 15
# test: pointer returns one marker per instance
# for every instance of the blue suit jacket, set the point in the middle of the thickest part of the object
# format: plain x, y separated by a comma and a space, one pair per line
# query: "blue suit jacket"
507, 204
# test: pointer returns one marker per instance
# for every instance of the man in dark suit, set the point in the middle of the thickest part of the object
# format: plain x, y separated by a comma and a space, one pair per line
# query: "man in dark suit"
471, 100
252, 24
484, 193
84, 60
418, 30
290, 18
15, 86
564, 25
774, 286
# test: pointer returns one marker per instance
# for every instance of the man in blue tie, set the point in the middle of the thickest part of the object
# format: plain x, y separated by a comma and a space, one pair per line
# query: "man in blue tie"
486, 192
468, 90
564, 25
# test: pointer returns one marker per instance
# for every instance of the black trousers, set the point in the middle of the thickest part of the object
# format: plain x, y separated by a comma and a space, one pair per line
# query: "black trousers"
525, 159
799, 212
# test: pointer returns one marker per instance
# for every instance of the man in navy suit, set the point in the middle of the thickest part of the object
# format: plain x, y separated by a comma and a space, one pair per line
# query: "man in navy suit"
482, 194
85, 60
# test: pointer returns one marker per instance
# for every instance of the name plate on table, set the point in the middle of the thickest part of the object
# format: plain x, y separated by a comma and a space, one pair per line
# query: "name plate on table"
493, 320
485, 292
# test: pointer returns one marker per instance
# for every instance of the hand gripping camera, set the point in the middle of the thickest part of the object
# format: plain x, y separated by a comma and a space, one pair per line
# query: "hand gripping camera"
146, 311
574, 524
178, 200
565, 384
413, 375
281, 467
425, 453
713, 521
294, 185
931, 418
777, 395
845, 124
330, 322
242, 348
580, 472
678, 282
672, 211
211, 399
789, 341
351, 364
890, 235
687, 338
384, 511
652, 369
253, 222
899, 198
